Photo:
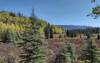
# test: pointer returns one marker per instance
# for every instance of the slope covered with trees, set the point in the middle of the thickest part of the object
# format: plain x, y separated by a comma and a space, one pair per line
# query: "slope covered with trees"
32, 35
29, 34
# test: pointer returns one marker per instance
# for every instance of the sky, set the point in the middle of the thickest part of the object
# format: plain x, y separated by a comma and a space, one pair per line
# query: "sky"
59, 12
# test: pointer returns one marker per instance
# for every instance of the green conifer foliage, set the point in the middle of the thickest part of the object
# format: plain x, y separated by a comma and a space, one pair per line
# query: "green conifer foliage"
89, 53
35, 47
66, 55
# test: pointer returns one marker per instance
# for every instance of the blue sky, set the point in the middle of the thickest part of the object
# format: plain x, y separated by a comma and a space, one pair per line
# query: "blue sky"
65, 12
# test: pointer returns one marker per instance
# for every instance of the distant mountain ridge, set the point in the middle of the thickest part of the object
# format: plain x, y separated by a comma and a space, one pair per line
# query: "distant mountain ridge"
73, 27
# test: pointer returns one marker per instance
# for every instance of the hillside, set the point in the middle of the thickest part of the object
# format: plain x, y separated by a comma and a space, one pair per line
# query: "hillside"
25, 33
33, 40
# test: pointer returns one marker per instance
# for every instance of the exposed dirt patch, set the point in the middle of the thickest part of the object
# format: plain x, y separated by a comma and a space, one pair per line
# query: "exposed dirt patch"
9, 52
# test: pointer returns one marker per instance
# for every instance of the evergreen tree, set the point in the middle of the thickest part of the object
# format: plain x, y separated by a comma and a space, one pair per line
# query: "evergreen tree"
33, 16
19, 14
98, 36
51, 32
47, 31
10, 36
5, 38
89, 54
35, 47
66, 55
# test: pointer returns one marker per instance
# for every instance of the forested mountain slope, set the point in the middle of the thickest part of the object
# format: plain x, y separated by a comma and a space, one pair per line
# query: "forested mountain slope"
27, 34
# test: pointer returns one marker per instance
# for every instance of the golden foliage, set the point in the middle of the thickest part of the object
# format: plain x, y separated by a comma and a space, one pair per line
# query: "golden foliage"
57, 30
13, 27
